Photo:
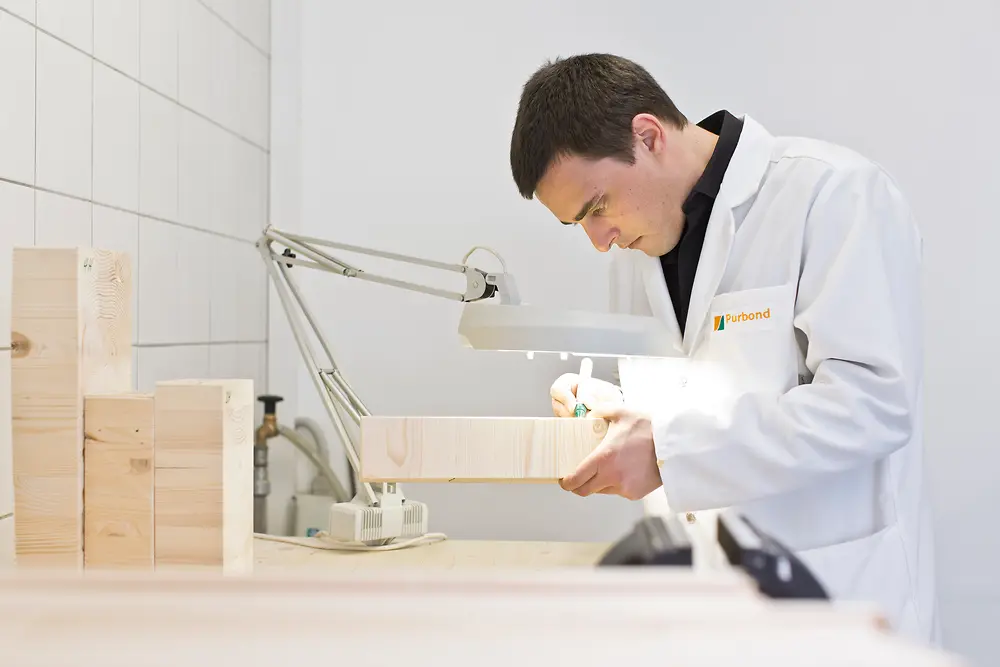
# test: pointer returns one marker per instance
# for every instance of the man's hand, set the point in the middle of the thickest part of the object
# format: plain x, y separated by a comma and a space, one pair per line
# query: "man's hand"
624, 464
566, 393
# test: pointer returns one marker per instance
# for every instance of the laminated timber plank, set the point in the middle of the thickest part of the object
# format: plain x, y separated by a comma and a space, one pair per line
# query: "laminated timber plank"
475, 449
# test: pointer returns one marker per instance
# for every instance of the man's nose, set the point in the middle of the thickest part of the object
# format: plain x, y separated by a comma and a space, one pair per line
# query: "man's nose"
601, 235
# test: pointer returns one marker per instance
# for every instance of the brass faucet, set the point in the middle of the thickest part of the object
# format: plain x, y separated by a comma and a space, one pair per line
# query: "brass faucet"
261, 484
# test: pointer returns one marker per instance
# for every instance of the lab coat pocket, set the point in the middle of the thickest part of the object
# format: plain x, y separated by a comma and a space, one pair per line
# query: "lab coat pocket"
752, 336
866, 570
753, 310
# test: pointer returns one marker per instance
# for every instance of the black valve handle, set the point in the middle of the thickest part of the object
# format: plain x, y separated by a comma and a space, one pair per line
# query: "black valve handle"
270, 403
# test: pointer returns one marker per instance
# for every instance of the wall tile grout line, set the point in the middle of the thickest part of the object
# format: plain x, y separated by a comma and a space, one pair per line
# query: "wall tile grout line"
138, 186
34, 156
182, 225
267, 209
137, 345
93, 112
201, 115
217, 343
239, 34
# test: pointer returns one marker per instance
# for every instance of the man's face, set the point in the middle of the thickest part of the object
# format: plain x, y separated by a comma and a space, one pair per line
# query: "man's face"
629, 205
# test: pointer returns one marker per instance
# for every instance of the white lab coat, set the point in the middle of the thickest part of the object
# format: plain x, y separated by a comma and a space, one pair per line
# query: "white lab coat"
805, 413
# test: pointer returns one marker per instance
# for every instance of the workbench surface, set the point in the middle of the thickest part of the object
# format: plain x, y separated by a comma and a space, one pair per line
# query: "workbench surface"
270, 555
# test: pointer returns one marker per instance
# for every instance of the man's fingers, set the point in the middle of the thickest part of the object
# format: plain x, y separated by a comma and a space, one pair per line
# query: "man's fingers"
563, 393
583, 473
596, 484
593, 391
573, 482
560, 410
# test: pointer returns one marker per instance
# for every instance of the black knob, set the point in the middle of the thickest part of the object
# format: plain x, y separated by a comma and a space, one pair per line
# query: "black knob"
270, 403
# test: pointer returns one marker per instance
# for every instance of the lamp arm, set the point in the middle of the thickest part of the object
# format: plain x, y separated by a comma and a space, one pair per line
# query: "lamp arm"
479, 284
338, 397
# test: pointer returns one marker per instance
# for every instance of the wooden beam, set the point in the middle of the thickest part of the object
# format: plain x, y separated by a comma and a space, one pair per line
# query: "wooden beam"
118, 481
203, 475
475, 449
71, 335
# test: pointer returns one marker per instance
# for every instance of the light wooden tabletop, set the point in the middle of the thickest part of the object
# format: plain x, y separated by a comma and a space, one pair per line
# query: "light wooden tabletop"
269, 555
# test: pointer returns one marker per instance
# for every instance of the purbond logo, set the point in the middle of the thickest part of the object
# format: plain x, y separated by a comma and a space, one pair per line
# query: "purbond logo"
722, 321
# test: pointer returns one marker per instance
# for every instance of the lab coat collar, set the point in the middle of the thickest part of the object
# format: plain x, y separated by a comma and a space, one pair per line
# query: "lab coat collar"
742, 181
748, 165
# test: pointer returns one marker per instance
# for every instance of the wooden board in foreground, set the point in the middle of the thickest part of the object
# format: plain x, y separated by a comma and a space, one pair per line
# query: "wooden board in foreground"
203, 474
71, 335
475, 449
118, 481
433, 620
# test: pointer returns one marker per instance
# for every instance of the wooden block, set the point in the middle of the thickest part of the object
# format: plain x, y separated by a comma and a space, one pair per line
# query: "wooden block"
118, 481
71, 336
203, 475
475, 449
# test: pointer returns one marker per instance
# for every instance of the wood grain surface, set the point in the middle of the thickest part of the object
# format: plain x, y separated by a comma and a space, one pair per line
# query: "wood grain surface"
475, 449
118, 481
592, 616
71, 336
203, 474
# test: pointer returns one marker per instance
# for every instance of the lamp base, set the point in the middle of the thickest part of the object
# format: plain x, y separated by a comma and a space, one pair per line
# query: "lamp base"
356, 521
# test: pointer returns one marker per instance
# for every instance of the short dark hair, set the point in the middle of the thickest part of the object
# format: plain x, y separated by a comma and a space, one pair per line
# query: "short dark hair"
582, 105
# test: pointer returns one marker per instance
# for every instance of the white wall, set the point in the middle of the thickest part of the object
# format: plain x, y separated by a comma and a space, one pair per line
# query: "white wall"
143, 125
405, 121
404, 148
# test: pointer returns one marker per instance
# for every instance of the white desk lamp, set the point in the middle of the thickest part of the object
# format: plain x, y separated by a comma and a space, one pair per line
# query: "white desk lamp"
377, 516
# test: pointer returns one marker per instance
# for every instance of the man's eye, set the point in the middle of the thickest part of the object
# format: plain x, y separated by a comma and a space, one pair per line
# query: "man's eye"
598, 211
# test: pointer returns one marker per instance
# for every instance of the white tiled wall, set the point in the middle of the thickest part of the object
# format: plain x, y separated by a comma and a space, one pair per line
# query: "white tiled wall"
143, 125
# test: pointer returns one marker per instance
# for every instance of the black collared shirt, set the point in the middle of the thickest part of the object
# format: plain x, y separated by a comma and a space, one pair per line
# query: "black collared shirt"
681, 263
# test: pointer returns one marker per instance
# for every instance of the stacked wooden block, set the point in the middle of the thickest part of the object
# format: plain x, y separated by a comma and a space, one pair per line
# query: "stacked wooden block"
105, 477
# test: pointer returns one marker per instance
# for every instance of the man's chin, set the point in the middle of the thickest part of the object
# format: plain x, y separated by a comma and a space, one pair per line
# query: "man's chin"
644, 249
652, 248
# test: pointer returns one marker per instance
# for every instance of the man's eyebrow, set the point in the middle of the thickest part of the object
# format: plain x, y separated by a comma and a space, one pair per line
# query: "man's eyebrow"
586, 208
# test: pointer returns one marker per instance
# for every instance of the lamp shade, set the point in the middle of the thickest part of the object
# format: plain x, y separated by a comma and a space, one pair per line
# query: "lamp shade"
527, 328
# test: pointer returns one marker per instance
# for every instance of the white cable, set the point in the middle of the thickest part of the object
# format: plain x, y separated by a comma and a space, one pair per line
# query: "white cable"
322, 541
503, 265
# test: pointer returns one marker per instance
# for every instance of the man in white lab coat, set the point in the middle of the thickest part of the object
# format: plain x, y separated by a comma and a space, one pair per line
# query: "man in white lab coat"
787, 272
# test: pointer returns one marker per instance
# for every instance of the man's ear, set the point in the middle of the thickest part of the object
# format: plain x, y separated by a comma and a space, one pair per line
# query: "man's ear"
648, 129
